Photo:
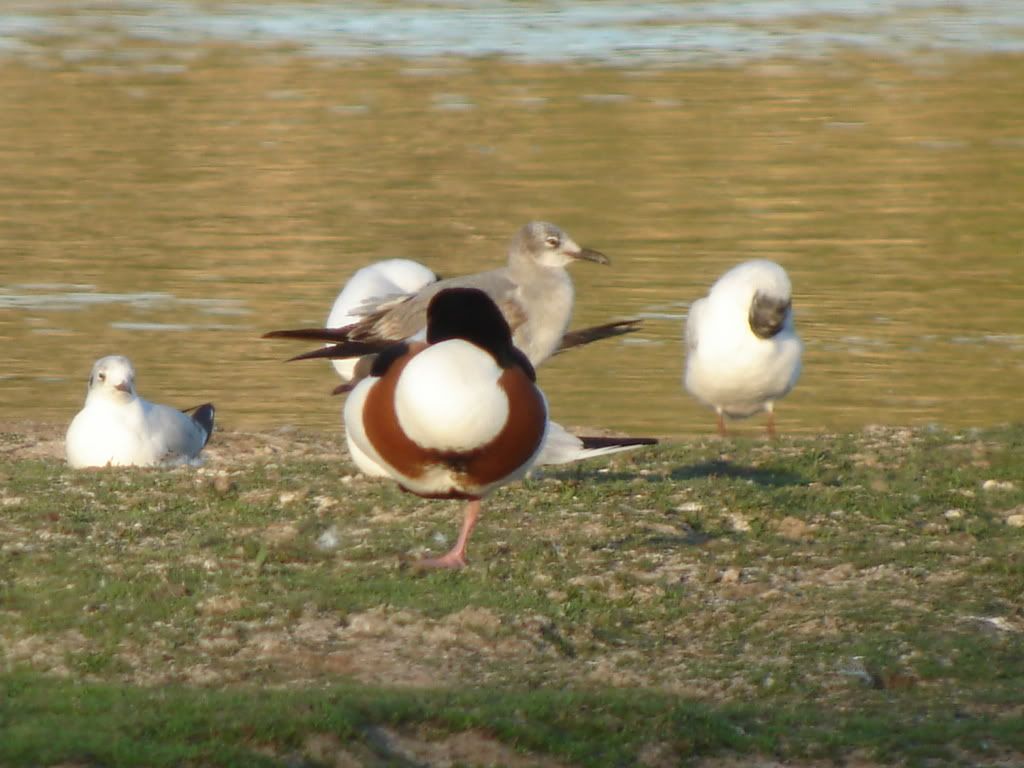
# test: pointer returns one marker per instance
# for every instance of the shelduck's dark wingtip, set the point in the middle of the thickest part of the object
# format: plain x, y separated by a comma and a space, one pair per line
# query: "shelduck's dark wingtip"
617, 442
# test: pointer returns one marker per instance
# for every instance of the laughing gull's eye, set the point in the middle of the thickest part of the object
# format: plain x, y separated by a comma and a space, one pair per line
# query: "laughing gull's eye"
102, 376
552, 241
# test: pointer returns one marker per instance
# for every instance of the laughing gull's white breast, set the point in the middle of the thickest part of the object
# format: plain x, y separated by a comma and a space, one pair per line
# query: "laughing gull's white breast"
118, 428
742, 350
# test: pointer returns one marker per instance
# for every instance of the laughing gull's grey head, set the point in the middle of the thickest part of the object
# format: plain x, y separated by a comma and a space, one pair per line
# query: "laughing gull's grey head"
742, 351
118, 428
542, 244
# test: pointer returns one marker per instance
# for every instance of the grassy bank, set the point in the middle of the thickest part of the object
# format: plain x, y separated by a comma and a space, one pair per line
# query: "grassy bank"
851, 598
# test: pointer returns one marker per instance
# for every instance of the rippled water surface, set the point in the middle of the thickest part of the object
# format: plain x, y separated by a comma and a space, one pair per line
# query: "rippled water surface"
176, 179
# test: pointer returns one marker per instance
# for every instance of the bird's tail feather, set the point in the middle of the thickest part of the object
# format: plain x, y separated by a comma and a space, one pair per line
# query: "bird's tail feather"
563, 447
203, 415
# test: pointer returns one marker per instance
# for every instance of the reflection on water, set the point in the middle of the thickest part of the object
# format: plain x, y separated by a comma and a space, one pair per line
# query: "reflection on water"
614, 32
172, 202
55, 296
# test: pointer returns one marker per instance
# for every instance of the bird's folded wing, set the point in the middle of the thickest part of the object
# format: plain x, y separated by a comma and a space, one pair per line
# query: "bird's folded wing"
403, 318
693, 323
374, 304
173, 431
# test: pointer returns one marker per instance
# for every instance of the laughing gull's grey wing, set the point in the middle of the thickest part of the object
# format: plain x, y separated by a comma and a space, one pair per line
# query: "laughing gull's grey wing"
742, 350
357, 354
533, 292
118, 428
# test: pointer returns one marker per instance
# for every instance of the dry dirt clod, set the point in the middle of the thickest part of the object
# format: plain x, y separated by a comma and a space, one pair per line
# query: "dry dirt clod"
793, 528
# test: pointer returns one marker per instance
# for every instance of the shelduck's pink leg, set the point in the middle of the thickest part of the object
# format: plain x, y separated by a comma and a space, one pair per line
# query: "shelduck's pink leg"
456, 558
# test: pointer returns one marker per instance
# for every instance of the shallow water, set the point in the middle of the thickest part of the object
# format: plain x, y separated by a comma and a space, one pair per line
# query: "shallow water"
177, 179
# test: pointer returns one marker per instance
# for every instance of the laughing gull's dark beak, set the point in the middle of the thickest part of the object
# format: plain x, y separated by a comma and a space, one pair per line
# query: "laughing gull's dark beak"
589, 254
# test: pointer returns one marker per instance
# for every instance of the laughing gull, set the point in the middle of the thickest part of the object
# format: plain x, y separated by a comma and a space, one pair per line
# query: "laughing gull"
118, 428
743, 353
369, 288
533, 292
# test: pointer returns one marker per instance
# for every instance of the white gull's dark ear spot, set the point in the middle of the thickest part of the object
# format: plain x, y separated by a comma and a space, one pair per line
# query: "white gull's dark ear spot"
767, 315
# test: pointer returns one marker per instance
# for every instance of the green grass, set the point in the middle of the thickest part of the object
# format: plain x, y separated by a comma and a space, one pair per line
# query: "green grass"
814, 599
49, 721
